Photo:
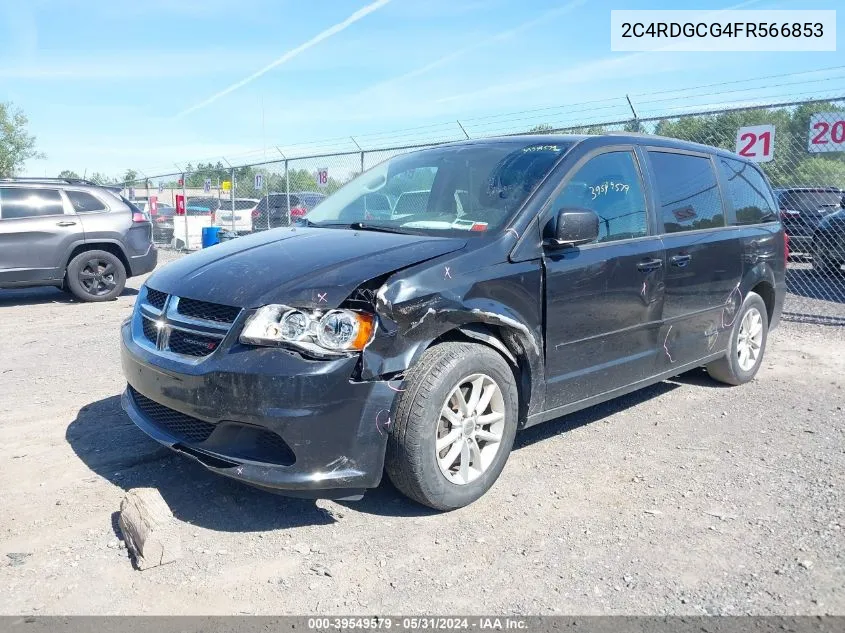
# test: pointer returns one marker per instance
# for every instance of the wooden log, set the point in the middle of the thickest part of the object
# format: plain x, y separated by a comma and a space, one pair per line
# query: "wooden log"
149, 528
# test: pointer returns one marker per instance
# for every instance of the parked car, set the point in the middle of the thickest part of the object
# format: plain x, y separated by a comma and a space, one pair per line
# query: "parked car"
72, 234
272, 209
571, 270
801, 210
236, 215
202, 206
829, 242
163, 223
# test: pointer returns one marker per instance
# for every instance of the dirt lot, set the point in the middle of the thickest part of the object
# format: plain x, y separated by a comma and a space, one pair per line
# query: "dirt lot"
687, 498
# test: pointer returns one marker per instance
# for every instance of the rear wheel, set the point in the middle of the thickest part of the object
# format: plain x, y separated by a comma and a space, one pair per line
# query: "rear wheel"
95, 276
455, 426
746, 344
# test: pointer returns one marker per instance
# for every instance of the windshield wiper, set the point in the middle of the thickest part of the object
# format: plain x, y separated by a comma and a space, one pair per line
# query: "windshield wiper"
306, 222
361, 226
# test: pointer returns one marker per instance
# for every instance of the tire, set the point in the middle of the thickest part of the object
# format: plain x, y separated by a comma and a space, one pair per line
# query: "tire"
95, 276
413, 462
732, 369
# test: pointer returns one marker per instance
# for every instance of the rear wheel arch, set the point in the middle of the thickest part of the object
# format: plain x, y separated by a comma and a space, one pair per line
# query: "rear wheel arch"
767, 293
761, 280
109, 247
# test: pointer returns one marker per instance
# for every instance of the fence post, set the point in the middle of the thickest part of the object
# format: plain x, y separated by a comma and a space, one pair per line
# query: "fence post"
287, 189
185, 200
232, 196
362, 161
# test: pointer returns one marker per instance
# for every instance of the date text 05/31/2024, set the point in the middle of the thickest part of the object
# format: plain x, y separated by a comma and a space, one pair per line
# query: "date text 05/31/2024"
417, 623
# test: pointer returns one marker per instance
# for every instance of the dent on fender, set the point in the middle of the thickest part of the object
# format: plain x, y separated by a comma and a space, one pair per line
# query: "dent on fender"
416, 308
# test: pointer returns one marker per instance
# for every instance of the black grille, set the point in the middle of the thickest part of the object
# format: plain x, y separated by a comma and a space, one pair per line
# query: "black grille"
209, 311
180, 426
192, 343
150, 330
156, 298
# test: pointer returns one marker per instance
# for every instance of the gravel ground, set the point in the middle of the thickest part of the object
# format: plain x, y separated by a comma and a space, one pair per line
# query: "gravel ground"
685, 498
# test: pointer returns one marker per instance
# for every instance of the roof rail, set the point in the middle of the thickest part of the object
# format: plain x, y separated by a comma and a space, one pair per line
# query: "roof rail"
39, 179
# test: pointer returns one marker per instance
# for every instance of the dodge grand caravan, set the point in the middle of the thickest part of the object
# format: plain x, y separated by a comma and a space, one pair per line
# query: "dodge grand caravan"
540, 275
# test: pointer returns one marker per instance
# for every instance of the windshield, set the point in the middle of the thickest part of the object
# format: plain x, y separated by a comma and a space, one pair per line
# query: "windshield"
466, 188
809, 200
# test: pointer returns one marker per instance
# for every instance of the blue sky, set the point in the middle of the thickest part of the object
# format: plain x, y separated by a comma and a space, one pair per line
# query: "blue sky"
113, 84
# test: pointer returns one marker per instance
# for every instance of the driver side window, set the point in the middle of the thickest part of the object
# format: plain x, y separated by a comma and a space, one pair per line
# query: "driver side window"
610, 186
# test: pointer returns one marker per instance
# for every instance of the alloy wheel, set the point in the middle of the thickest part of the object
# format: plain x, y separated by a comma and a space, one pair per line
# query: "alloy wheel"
470, 429
97, 277
750, 339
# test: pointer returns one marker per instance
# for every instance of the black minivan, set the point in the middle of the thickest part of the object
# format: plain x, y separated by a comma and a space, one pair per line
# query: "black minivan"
538, 276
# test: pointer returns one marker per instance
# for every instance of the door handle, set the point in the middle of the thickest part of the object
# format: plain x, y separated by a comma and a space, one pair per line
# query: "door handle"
66, 223
680, 260
649, 264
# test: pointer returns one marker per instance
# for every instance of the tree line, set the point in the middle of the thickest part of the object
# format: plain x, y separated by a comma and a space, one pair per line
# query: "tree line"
792, 165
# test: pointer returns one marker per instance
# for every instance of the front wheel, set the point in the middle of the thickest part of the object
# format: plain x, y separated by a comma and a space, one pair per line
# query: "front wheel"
746, 344
455, 425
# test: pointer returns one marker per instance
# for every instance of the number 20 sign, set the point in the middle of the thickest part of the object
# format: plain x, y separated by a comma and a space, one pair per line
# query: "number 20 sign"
827, 132
756, 143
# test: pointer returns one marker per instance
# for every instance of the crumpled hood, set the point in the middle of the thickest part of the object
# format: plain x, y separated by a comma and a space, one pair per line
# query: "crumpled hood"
304, 267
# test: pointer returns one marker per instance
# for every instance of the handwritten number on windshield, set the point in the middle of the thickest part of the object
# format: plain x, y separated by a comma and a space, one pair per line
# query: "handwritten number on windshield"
608, 187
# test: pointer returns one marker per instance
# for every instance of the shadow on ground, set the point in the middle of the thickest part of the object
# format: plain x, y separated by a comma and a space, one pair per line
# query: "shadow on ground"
44, 294
107, 441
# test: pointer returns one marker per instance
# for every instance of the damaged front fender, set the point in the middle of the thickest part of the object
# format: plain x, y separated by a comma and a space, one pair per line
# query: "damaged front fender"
460, 296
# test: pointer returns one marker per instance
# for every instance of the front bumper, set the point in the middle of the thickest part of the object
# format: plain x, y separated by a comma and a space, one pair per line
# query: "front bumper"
271, 419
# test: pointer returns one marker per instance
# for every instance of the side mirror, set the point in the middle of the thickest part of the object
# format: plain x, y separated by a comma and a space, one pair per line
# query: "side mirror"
574, 227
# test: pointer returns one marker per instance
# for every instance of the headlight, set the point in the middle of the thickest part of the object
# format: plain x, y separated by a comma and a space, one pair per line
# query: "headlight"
333, 332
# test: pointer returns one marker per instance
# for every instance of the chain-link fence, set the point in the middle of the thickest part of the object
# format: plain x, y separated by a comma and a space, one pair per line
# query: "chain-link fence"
800, 145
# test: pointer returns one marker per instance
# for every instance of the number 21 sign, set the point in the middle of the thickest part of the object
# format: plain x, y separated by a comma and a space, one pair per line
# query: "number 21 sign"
756, 143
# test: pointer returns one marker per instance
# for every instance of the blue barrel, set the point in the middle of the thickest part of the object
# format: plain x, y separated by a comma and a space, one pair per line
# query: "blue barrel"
210, 236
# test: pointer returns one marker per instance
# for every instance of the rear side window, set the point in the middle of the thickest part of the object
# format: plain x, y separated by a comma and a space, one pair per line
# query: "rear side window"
277, 201
688, 192
609, 185
29, 203
84, 202
312, 200
748, 192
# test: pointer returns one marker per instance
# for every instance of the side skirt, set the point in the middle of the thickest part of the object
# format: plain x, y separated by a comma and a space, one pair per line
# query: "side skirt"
566, 409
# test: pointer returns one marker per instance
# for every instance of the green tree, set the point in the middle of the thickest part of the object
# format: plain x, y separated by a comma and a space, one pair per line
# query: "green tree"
542, 128
102, 179
130, 176
633, 125
16, 144
67, 173
816, 171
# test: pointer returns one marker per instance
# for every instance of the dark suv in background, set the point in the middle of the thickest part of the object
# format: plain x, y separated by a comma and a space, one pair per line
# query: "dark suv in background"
272, 210
72, 234
801, 211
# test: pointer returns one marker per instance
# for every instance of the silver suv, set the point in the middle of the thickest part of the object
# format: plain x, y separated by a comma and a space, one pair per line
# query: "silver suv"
72, 234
